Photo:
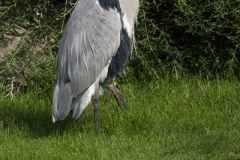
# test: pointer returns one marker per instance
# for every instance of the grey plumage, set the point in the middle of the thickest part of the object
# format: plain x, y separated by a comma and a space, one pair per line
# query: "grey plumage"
90, 39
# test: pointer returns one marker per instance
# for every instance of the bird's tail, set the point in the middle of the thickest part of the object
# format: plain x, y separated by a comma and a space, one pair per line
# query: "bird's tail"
62, 100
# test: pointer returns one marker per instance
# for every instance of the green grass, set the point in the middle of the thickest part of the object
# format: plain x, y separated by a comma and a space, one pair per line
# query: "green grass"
185, 119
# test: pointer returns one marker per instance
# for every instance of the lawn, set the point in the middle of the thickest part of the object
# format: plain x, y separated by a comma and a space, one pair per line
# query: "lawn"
167, 119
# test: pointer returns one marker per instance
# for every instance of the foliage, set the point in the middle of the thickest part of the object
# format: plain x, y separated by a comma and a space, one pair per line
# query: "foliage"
189, 36
35, 55
173, 37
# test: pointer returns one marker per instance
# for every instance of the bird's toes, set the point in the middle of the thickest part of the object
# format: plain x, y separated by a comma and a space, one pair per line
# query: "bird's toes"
116, 93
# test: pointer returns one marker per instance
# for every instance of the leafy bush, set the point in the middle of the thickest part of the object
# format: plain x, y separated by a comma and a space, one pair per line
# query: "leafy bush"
189, 36
36, 53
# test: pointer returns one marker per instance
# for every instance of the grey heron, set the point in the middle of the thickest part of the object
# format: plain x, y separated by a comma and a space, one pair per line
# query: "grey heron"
95, 44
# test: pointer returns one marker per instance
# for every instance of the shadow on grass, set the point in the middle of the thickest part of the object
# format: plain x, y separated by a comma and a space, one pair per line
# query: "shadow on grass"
37, 121
34, 119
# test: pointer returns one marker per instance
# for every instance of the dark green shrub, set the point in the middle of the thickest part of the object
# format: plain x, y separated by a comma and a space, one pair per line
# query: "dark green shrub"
189, 36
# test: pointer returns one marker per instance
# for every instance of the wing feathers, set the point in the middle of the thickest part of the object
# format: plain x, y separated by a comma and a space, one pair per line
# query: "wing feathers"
90, 39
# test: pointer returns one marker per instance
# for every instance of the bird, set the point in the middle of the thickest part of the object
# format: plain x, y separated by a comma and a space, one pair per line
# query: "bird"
95, 45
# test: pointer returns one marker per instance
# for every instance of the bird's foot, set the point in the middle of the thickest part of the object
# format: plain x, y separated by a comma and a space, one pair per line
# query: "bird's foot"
116, 93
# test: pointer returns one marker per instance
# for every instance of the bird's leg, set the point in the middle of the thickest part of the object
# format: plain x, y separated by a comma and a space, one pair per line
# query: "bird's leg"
116, 93
95, 108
